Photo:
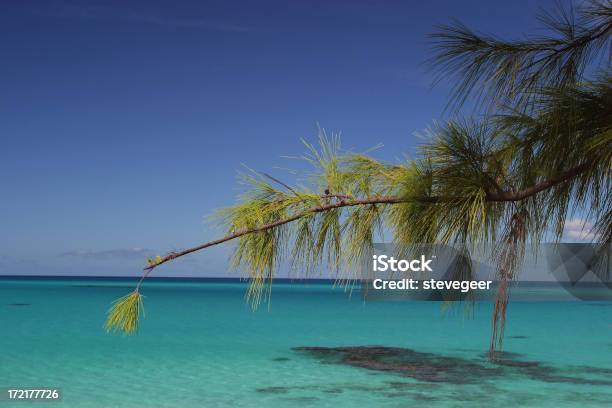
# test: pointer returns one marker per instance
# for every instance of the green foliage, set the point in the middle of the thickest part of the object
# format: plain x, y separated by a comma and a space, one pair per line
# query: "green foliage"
152, 262
512, 73
124, 314
461, 164
541, 152
444, 194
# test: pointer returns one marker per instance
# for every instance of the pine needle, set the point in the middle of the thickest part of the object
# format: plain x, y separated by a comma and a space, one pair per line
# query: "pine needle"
124, 314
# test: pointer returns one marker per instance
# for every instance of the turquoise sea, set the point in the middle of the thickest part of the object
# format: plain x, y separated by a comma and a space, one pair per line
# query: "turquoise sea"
201, 345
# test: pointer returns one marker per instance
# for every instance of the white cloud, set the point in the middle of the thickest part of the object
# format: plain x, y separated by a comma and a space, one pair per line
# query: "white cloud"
578, 229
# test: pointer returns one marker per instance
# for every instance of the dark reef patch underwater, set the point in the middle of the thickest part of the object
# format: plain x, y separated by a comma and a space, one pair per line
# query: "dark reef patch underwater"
438, 368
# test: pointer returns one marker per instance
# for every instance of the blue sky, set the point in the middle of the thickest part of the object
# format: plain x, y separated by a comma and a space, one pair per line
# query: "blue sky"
123, 124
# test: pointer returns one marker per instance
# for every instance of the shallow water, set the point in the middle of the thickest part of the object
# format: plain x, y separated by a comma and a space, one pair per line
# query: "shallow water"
200, 345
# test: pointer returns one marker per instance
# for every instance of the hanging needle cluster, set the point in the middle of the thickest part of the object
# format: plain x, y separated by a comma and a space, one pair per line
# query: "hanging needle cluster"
124, 314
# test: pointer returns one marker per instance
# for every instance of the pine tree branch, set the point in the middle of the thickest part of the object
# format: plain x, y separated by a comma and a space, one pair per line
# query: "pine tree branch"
539, 187
345, 201
579, 42
317, 209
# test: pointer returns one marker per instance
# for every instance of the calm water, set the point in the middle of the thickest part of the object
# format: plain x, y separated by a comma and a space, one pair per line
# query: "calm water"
200, 345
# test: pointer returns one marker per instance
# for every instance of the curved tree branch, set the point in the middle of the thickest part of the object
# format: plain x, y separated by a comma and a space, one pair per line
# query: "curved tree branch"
536, 188
346, 201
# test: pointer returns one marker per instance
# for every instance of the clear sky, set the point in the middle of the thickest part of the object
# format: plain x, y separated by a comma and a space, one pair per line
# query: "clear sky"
124, 123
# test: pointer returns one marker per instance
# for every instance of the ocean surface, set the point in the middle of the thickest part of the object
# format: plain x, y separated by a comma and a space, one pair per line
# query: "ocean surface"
201, 345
